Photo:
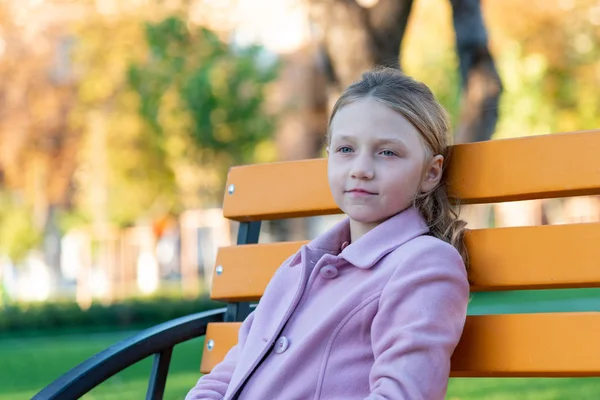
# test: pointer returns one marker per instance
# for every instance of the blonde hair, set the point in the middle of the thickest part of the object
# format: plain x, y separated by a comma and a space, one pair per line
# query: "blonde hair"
415, 102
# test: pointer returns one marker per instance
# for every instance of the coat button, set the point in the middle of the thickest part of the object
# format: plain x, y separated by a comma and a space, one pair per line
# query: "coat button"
329, 272
281, 345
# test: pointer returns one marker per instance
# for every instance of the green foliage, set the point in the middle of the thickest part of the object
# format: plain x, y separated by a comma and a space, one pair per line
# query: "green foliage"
221, 89
428, 54
18, 233
550, 74
122, 173
166, 108
130, 314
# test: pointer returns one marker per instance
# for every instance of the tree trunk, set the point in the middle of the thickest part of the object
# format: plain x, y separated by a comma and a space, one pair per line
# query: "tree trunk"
480, 81
355, 38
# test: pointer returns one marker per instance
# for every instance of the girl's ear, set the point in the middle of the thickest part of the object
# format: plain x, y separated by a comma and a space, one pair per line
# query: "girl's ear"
433, 173
327, 150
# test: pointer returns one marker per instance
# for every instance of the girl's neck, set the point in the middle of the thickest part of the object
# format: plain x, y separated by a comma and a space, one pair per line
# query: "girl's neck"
359, 229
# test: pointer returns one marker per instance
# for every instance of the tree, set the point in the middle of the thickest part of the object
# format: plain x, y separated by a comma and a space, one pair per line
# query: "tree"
125, 115
196, 88
37, 157
167, 108
121, 175
356, 37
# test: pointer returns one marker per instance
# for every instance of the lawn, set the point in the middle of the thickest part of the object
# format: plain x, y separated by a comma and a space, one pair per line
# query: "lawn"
28, 364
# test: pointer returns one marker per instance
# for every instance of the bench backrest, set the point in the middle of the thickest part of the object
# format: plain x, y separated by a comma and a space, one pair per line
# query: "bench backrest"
539, 257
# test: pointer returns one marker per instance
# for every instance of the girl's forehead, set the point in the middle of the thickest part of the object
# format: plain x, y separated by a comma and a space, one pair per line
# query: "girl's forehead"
370, 119
366, 111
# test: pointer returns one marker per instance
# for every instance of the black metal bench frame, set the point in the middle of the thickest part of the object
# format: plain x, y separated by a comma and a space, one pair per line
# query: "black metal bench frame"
158, 341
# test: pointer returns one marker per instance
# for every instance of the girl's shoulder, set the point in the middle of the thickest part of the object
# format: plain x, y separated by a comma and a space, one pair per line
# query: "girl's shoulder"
427, 251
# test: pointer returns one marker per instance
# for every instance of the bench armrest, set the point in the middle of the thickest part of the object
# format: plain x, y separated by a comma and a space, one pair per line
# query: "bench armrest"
158, 340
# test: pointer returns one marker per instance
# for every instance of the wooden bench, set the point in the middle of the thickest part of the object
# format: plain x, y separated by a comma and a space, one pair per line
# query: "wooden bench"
501, 259
540, 257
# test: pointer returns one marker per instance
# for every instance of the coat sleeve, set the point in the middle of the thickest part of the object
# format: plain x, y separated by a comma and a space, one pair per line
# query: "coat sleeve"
214, 385
421, 316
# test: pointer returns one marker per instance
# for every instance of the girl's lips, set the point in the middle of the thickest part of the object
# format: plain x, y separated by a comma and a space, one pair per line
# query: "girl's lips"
359, 192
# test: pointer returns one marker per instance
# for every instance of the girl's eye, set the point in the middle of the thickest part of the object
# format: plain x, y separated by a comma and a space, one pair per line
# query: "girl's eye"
388, 153
345, 149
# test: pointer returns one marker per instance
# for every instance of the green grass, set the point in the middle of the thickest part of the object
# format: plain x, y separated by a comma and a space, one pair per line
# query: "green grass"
27, 364
524, 389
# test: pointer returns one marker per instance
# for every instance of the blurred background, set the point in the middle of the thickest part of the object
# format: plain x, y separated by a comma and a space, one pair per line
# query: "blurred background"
120, 118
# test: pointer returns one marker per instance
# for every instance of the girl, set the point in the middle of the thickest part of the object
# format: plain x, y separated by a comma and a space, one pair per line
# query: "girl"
373, 308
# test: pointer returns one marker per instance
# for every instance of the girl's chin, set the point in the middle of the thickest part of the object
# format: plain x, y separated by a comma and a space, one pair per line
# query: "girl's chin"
367, 216
367, 219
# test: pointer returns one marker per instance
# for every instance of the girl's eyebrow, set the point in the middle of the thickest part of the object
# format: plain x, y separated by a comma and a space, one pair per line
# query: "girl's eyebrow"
347, 138
378, 141
393, 140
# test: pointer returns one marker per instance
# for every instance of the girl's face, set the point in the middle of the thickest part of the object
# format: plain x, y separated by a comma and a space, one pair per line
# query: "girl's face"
377, 164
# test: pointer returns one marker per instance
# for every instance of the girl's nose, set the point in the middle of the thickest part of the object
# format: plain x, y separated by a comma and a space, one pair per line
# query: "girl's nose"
362, 168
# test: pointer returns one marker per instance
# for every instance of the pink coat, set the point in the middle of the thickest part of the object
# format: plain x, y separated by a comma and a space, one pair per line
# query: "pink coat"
378, 319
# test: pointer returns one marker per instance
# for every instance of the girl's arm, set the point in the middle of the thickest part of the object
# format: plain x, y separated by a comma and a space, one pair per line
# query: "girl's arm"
420, 320
214, 385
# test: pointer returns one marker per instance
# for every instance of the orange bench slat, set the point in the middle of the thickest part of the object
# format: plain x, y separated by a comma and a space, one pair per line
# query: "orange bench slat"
556, 165
224, 337
247, 269
540, 257
510, 345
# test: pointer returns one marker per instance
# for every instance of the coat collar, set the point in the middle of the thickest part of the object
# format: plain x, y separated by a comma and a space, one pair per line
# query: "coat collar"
375, 244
